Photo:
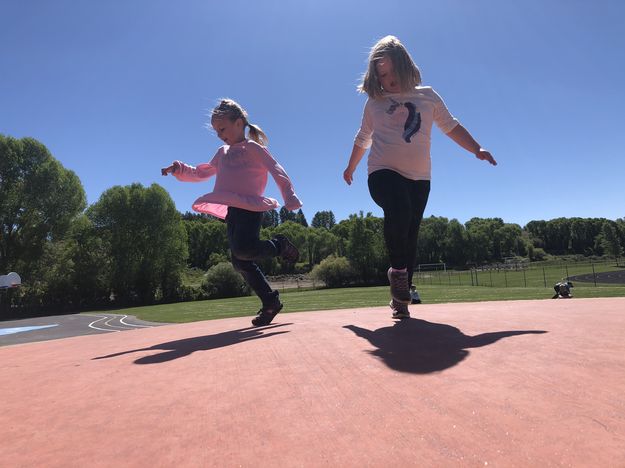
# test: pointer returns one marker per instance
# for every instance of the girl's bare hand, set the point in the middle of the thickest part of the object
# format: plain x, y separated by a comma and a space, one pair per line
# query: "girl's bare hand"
486, 156
348, 176
170, 169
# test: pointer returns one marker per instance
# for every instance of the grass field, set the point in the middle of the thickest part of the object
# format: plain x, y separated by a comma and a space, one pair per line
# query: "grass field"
326, 299
531, 282
532, 275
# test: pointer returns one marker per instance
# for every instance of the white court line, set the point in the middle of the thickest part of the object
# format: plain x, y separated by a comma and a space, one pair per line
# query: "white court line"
91, 325
115, 317
113, 327
134, 324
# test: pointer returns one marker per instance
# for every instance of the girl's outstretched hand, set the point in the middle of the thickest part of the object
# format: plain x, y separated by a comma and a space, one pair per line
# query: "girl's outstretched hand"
348, 176
170, 169
485, 156
293, 203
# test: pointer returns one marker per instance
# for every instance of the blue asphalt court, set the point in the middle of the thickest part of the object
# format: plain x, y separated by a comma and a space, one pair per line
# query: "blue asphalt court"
65, 326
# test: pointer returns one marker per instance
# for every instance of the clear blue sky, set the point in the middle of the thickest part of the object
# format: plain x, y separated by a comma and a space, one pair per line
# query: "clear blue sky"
118, 89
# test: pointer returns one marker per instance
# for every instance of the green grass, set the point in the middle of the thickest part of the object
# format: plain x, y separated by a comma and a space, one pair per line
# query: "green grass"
537, 275
326, 299
193, 277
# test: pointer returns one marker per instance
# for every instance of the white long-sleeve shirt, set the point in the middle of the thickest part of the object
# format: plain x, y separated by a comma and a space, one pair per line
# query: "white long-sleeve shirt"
397, 128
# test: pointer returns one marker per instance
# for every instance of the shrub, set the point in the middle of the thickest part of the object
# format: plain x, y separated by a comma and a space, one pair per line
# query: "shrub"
216, 258
333, 271
191, 293
222, 280
537, 254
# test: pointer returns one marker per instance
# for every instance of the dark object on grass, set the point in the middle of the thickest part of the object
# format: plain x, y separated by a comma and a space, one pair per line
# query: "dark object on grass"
563, 290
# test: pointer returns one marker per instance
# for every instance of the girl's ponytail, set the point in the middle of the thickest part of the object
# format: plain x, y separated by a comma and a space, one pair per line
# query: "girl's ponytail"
255, 133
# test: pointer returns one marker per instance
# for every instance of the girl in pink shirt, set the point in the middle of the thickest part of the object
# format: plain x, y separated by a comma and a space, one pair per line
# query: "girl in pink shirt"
396, 126
241, 167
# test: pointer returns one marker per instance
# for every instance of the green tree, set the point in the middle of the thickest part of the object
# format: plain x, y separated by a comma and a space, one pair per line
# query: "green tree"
610, 240
485, 238
431, 240
335, 272
341, 231
39, 198
581, 237
202, 217
558, 236
478, 245
455, 244
620, 227
75, 272
222, 280
204, 240
286, 215
300, 218
538, 232
360, 238
567, 235
323, 219
320, 244
148, 245
271, 218
361, 250
509, 240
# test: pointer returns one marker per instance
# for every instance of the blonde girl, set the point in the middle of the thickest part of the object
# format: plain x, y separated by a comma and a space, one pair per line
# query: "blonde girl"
241, 167
396, 127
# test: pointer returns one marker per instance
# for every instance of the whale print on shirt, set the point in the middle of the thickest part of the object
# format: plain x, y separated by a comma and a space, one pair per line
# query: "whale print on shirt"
413, 120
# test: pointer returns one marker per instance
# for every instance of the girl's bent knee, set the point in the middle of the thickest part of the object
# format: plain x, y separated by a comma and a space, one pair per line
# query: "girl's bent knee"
242, 254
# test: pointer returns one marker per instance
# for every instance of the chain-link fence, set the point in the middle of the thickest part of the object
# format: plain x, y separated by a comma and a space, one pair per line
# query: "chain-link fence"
505, 275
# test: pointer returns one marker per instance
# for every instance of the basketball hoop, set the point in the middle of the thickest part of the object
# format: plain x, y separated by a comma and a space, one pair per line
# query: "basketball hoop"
12, 280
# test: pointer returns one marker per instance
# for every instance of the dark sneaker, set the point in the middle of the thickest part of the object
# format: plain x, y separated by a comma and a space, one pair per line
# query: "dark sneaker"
287, 250
399, 286
267, 313
400, 311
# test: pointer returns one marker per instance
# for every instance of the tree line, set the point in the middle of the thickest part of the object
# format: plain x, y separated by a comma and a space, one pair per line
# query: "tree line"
133, 247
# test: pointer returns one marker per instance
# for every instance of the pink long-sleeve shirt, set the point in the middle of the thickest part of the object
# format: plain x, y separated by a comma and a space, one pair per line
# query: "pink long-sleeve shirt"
241, 171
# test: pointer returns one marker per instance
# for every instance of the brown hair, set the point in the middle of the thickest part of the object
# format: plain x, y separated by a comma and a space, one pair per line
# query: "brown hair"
407, 72
231, 110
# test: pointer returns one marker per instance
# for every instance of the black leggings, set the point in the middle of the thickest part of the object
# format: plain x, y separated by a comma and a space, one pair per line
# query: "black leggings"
246, 247
403, 201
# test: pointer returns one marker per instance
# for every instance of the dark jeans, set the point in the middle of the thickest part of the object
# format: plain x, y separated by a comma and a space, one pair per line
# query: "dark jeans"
403, 201
246, 246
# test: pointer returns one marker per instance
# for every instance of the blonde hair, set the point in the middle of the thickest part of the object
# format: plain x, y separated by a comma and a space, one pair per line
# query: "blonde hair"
407, 72
232, 110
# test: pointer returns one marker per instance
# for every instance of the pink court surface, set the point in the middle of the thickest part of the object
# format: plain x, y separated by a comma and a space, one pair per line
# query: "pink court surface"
518, 383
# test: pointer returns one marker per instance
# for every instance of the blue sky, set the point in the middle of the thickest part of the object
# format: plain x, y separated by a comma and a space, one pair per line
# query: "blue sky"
118, 89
